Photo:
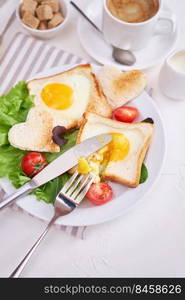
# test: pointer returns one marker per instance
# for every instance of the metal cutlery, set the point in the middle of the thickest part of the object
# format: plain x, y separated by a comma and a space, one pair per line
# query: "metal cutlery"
66, 201
60, 165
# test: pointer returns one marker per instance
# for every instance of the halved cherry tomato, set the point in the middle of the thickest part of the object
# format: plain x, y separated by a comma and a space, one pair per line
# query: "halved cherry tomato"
100, 193
33, 163
126, 114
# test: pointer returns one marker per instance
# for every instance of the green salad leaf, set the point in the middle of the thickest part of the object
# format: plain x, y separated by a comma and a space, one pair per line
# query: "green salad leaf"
14, 108
144, 173
10, 162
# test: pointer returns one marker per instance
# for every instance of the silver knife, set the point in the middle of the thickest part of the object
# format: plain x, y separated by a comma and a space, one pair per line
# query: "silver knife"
62, 164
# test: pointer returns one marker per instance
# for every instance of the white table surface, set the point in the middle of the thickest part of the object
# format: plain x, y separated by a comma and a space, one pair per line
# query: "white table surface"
149, 241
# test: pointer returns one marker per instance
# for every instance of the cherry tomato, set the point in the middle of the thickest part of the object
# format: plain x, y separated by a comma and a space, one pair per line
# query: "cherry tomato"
126, 114
33, 163
100, 193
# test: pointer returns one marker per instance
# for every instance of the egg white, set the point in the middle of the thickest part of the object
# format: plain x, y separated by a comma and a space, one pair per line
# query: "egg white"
81, 87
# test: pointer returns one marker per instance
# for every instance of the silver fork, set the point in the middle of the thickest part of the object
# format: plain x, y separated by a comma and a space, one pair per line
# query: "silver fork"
66, 201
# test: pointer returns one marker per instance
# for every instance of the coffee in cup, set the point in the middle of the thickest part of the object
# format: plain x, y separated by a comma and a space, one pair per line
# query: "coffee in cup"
133, 11
130, 24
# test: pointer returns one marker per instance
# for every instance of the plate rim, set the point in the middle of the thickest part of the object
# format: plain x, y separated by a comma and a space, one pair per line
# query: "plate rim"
125, 68
54, 71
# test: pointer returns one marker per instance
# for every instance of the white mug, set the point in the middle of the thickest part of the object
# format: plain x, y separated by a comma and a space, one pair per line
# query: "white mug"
172, 76
135, 36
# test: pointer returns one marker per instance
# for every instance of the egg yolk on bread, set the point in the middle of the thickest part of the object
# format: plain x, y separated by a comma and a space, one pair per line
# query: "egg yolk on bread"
115, 151
57, 95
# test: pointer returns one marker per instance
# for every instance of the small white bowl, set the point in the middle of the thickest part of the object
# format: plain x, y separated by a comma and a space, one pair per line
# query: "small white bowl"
49, 33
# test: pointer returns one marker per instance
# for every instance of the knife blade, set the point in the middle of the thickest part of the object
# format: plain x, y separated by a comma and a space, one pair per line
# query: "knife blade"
60, 165
70, 158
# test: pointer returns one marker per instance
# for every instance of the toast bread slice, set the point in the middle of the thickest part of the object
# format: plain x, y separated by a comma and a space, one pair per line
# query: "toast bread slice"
97, 103
121, 87
128, 170
36, 133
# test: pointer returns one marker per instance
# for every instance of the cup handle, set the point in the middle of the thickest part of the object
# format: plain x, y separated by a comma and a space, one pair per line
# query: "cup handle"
166, 23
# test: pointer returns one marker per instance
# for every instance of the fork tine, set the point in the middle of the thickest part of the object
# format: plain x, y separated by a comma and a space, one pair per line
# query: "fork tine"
74, 185
69, 182
82, 185
84, 191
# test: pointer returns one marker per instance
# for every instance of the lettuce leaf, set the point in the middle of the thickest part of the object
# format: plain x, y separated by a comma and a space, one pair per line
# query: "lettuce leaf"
10, 161
144, 174
14, 108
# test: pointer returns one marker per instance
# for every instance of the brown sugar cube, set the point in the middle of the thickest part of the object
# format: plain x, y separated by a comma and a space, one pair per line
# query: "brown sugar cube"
29, 20
44, 12
30, 2
28, 5
54, 4
56, 20
43, 25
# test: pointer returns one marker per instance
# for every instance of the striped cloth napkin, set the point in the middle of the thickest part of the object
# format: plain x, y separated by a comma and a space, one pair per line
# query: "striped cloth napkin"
24, 57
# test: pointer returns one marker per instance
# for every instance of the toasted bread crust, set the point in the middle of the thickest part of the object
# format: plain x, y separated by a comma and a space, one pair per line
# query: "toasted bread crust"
125, 82
135, 183
83, 66
22, 135
121, 87
102, 108
46, 142
84, 121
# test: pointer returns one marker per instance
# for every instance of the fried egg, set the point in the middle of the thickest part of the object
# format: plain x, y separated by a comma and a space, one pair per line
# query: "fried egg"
120, 160
64, 97
115, 151
59, 100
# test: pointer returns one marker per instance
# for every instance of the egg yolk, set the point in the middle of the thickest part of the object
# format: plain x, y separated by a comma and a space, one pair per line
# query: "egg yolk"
58, 96
83, 166
118, 148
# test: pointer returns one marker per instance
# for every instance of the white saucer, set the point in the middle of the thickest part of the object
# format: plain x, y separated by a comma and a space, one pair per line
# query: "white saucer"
157, 50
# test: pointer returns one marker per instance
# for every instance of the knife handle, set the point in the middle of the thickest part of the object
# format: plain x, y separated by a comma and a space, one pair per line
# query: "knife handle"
25, 189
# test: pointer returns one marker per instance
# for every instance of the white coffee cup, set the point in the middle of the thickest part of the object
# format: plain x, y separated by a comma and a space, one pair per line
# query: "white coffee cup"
172, 76
135, 36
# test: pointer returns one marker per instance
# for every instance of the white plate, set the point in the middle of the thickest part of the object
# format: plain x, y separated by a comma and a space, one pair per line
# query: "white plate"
156, 51
125, 197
